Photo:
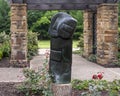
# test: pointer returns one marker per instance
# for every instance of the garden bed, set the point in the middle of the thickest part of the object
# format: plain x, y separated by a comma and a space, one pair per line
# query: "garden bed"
4, 62
10, 89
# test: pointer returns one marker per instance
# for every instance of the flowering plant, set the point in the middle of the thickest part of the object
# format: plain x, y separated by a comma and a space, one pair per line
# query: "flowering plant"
99, 75
37, 83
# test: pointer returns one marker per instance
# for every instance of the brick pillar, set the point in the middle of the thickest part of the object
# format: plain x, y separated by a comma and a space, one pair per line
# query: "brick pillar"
88, 33
107, 33
18, 35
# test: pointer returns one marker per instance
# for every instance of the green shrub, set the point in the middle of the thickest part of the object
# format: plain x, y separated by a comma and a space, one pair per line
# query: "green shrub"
37, 82
95, 87
81, 44
119, 38
6, 49
32, 44
1, 54
3, 37
4, 45
92, 58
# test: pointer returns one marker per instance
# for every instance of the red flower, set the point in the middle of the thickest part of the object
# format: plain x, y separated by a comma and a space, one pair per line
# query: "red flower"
94, 76
100, 75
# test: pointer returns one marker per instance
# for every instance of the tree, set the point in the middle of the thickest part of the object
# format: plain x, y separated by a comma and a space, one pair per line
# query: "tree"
4, 16
42, 24
40, 21
78, 15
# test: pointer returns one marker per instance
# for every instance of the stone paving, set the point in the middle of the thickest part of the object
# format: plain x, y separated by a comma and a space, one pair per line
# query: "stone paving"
81, 69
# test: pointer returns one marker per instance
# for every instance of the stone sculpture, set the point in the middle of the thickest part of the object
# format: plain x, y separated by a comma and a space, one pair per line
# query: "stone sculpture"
61, 31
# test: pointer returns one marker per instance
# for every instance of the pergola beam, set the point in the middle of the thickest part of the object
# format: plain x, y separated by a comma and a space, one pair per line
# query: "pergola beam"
62, 4
64, 1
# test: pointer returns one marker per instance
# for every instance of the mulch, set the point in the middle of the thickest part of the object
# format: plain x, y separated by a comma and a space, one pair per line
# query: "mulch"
4, 63
10, 89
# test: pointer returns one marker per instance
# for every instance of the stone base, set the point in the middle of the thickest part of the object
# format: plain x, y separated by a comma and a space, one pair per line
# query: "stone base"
62, 89
19, 64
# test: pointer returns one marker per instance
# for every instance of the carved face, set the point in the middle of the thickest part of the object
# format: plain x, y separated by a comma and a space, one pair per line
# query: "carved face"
62, 25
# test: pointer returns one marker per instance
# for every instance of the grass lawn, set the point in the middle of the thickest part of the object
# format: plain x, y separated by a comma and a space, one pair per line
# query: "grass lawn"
46, 44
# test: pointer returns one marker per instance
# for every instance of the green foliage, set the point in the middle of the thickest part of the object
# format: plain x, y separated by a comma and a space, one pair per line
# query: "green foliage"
42, 24
4, 16
118, 38
6, 49
118, 54
32, 44
95, 87
80, 44
92, 58
1, 54
119, 15
80, 85
3, 37
37, 82
4, 45
39, 22
78, 15
33, 16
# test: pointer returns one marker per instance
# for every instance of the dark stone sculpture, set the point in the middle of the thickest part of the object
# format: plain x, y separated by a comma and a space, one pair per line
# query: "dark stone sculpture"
61, 32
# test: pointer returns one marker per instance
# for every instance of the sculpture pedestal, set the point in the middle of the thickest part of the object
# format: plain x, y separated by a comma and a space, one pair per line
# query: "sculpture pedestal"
62, 89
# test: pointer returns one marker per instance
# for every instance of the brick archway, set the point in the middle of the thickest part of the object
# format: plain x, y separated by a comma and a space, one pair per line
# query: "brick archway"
106, 26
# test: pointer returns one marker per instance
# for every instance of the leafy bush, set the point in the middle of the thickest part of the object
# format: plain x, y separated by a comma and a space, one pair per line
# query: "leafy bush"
32, 44
37, 83
4, 16
6, 49
3, 37
92, 58
119, 39
96, 87
1, 54
4, 45
81, 44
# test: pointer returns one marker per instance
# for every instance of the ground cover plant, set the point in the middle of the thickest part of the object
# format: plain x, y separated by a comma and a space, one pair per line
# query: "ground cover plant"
96, 88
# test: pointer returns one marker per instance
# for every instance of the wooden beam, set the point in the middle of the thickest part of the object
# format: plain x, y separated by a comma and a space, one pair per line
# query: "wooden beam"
65, 1
63, 4
60, 6
17, 1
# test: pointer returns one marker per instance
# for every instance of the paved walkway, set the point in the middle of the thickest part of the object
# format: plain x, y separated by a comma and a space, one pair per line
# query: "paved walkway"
81, 69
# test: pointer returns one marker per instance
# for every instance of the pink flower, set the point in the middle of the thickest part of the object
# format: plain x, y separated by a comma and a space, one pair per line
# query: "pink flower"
47, 53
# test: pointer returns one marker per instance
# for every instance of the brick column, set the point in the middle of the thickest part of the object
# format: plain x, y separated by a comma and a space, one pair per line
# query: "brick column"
107, 33
18, 35
88, 33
